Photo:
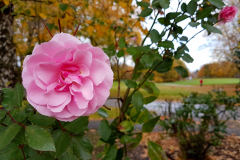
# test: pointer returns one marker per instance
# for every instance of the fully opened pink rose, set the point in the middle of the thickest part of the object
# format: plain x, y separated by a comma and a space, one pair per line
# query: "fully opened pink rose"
65, 78
227, 14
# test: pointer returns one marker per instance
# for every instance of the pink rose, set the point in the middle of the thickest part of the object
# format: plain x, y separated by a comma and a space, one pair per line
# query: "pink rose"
65, 78
227, 14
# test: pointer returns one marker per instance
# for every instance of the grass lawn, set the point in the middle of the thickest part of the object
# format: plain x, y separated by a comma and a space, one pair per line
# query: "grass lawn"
208, 81
113, 113
174, 89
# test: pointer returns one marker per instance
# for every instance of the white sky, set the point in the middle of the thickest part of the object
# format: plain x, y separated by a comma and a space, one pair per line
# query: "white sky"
200, 57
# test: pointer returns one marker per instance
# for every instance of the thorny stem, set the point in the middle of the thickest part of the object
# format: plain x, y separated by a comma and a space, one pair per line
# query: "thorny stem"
76, 30
8, 113
48, 29
61, 126
107, 107
21, 146
59, 24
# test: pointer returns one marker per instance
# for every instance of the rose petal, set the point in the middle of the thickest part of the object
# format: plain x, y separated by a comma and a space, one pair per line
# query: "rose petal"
64, 113
74, 109
27, 78
50, 48
60, 107
48, 72
98, 53
97, 72
82, 57
86, 88
36, 94
64, 37
35, 60
61, 55
84, 71
55, 98
102, 93
67, 119
81, 102
91, 106
84, 46
108, 76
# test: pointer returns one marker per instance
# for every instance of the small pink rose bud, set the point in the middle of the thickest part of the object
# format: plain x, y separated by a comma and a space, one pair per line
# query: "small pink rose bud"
227, 14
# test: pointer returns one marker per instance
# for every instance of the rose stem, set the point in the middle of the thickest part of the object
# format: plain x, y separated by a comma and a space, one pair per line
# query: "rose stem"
48, 29
59, 24
107, 107
76, 30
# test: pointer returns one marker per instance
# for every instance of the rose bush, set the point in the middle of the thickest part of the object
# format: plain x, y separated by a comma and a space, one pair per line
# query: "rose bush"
227, 14
65, 78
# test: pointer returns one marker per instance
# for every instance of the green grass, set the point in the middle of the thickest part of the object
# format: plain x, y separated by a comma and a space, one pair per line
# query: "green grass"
113, 113
208, 81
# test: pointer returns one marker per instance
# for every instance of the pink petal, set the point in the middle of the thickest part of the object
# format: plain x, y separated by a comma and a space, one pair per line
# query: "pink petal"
64, 37
50, 48
34, 60
38, 81
48, 72
84, 46
70, 43
36, 94
86, 89
91, 106
98, 54
74, 109
102, 93
25, 60
27, 78
97, 72
81, 102
61, 55
64, 113
67, 119
42, 109
55, 98
60, 107
82, 57
108, 76
84, 71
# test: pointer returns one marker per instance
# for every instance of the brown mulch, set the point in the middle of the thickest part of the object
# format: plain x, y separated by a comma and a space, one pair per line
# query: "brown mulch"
228, 150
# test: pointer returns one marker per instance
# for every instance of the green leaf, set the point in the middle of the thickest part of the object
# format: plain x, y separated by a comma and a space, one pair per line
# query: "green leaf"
172, 15
184, 7
9, 101
133, 112
111, 153
102, 113
50, 26
100, 155
9, 134
184, 38
41, 120
181, 18
82, 147
192, 7
217, 3
39, 138
9, 152
181, 71
142, 117
78, 125
62, 141
125, 126
19, 114
156, 152
149, 125
3, 8
2, 114
165, 65
147, 60
204, 13
20, 137
38, 157
166, 44
164, 21
120, 53
63, 7
127, 139
69, 155
154, 35
122, 42
19, 90
146, 12
164, 3
130, 83
143, 4
194, 24
127, 158
27, 12
104, 130
132, 51
149, 99
210, 28
187, 58
138, 140
137, 100
151, 88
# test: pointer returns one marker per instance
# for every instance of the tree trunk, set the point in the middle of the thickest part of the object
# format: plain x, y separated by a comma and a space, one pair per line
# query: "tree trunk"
10, 72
